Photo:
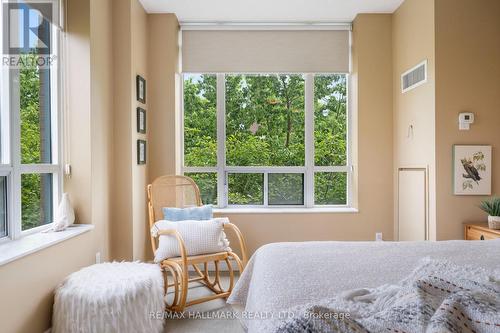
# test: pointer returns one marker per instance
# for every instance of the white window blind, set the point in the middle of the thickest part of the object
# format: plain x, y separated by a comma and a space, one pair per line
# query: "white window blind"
259, 51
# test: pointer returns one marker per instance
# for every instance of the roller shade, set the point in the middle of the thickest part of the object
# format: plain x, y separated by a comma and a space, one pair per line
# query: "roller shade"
291, 51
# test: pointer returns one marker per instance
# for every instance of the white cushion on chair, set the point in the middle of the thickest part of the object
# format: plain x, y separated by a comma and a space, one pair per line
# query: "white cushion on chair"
200, 237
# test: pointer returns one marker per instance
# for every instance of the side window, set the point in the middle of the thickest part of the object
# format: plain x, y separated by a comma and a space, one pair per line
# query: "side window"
30, 175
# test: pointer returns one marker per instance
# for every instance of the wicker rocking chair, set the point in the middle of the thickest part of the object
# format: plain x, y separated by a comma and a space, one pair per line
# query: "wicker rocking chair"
180, 191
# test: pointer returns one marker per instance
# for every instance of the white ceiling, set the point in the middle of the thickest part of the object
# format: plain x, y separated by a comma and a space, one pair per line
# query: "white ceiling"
269, 10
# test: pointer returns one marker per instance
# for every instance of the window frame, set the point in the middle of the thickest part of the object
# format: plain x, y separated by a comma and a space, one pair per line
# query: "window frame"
10, 159
309, 169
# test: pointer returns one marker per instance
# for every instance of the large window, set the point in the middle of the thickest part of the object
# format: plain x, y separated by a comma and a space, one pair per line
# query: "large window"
30, 173
270, 140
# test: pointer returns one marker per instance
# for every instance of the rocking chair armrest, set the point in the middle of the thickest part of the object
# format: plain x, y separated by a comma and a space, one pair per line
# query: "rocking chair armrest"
241, 240
182, 246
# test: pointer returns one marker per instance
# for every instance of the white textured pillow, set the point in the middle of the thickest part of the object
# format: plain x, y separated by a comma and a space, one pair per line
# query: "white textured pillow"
200, 237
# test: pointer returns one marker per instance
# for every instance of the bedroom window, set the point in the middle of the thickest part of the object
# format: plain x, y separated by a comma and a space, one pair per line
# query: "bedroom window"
267, 140
30, 175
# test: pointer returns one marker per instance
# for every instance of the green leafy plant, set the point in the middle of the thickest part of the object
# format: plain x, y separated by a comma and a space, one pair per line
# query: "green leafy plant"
492, 207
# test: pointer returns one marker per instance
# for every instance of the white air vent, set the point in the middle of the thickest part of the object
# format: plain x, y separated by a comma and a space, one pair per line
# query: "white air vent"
414, 77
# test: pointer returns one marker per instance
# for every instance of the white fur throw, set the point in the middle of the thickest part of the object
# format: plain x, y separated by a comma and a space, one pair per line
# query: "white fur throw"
200, 237
110, 297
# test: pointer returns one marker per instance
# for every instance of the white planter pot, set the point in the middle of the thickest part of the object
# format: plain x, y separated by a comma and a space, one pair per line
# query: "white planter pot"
494, 222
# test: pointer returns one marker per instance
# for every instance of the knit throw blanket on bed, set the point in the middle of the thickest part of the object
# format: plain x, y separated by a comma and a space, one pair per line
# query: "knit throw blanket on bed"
437, 297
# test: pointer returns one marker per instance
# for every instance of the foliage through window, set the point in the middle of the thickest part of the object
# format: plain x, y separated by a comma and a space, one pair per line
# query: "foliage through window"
265, 120
36, 148
255, 140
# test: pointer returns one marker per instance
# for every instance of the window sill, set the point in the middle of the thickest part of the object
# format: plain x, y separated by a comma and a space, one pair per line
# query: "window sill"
288, 210
12, 250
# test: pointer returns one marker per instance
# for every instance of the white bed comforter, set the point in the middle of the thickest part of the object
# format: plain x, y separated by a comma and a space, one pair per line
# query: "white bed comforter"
283, 275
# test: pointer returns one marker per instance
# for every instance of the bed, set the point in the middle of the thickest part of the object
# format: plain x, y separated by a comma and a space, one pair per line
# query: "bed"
282, 275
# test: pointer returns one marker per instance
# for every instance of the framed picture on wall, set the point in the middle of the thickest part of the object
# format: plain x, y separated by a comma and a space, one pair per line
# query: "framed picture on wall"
141, 89
141, 152
472, 169
141, 120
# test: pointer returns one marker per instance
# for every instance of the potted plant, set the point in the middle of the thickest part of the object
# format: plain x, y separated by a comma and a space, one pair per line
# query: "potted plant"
492, 207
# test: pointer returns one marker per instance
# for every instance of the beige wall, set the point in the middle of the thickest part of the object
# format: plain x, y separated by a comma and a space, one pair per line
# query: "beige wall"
101, 76
139, 66
163, 55
412, 43
129, 192
78, 113
460, 40
372, 68
163, 99
27, 284
121, 219
467, 79
145, 45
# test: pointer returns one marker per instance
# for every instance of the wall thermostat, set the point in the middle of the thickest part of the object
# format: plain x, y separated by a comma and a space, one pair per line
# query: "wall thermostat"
465, 119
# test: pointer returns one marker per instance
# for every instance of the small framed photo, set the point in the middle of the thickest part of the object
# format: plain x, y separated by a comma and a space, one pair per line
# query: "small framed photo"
141, 152
141, 89
472, 170
141, 120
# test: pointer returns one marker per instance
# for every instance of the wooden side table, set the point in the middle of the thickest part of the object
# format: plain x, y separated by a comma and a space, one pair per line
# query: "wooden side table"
480, 231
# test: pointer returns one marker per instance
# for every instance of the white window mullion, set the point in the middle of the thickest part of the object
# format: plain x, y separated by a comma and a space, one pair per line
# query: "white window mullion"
5, 141
54, 104
199, 169
58, 189
266, 189
221, 142
350, 170
262, 169
15, 141
56, 87
5, 118
344, 168
309, 141
39, 168
184, 169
